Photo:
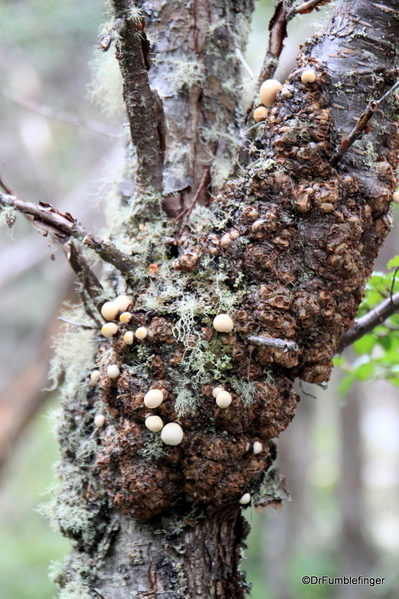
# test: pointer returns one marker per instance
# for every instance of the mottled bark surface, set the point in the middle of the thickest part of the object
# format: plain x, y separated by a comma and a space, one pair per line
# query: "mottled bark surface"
285, 250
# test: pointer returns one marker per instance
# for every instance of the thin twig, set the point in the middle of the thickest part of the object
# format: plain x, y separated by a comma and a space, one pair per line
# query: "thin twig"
361, 125
4, 186
187, 212
393, 283
81, 325
369, 321
61, 115
62, 227
276, 343
306, 7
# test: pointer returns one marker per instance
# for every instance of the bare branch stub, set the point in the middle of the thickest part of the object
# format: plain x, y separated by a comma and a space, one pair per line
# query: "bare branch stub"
361, 125
277, 343
145, 118
369, 321
62, 227
306, 7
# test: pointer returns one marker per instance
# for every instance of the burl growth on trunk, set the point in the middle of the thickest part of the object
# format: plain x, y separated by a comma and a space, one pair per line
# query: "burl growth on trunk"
286, 253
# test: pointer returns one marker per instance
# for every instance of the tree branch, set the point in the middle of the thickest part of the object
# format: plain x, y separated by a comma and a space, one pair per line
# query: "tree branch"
144, 107
62, 227
369, 321
361, 125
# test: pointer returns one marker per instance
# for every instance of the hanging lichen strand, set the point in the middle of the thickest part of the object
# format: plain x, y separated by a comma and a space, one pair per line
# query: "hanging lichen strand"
286, 256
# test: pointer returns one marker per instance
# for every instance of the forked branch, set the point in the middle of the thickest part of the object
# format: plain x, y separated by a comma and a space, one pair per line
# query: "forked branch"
62, 227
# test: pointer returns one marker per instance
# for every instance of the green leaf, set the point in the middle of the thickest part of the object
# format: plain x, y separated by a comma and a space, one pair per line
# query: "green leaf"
393, 263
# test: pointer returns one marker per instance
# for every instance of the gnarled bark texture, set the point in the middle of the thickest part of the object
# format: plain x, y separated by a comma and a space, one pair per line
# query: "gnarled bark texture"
285, 248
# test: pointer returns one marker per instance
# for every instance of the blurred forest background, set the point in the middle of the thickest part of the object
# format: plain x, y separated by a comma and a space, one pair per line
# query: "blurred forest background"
340, 456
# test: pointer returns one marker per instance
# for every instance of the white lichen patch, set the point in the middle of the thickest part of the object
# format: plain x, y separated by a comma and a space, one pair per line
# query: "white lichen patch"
105, 88
73, 352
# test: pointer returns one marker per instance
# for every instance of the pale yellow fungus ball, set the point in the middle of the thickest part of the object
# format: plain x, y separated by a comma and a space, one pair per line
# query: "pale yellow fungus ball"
172, 434
125, 317
223, 323
395, 197
260, 114
153, 398
109, 330
128, 338
95, 375
109, 310
245, 499
268, 91
141, 333
113, 371
257, 447
223, 399
123, 302
154, 423
225, 240
99, 420
216, 391
308, 76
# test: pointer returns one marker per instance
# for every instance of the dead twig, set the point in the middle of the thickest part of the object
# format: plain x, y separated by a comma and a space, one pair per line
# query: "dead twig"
305, 8
61, 115
62, 227
276, 343
361, 125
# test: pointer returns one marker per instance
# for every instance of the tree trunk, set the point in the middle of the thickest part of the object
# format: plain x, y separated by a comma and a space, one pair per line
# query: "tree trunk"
285, 249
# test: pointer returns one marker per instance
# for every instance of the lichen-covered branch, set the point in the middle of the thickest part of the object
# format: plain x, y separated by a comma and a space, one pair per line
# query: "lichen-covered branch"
369, 321
62, 227
144, 108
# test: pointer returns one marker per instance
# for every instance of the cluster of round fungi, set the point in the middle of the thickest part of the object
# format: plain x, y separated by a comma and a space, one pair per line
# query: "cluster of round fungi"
268, 92
171, 433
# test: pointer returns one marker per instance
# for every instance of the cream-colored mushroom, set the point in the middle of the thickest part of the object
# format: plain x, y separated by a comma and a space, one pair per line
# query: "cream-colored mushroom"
223, 399
99, 420
268, 91
128, 337
109, 330
223, 323
153, 398
123, 302
257, 447
260, 114
154, 423
113, 371
95, 375
172, 434
141, 333
308, 76
125, 317
216, 391
395, 197
245, 499
109, 310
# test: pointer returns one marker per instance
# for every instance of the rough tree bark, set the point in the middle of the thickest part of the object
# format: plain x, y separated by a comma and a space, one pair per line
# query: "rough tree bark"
285, 248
